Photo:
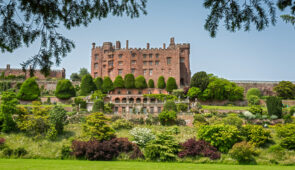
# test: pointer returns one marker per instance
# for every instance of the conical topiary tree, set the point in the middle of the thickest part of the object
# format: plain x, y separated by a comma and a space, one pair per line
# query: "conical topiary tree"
171, 84
87, 85
65, 89
107, 85
161, 82
98, 82
140, 82
119, 82
129, 81
151, 83
29, 90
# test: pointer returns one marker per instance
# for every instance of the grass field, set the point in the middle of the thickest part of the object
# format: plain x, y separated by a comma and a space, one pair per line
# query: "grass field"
75, 164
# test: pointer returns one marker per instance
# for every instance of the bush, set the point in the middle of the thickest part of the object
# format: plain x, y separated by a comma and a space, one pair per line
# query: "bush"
141, 136
248, 115
171, 84
222, 137
140, 82
193, 148
253, 100
7, 152
96, 126
98, 95
170, 105
80, 102
2, 143
151, 83
199, 120
194, 92
200, 80
161, 83
65, 89
285, 90
287, 134
87, 85
256, 110
233, 119
129, 81
65, 152
105, 150
98, 106
137, 121
243, 152
57, 118
19, 152
107, 85
122, 124
119, 82
7, 109
182, 107
253, 92
163, 148
168, 117
152, 120
256, 135
29, 90
98, 81
178, 92
274, 106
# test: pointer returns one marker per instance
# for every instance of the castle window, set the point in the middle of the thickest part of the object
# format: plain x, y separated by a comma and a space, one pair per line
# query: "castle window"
105, 51
151, 63
120, 55
111, 63
133, 61
120, 63
104, 66
151, 55
95, 65
133, 70
144, 55
182, 60
119, 91
157, 55
120, 71
129, 92
144, 72
145, 63
111, 56
96, 56
159, 110
133, 54
168, 60
151, 72
157, 63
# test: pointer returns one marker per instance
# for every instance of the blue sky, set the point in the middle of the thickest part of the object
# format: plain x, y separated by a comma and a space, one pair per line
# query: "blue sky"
267, 55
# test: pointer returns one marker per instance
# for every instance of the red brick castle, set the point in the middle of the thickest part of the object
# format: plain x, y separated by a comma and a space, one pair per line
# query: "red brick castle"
173, 61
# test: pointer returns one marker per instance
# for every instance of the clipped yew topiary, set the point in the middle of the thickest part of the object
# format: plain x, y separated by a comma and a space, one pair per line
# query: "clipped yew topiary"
140, 82
171, 84
98, 81
65, 89
274, 106
129, 81
119, 82
161, 82
107, 85
151, 83
87, 85
29, 90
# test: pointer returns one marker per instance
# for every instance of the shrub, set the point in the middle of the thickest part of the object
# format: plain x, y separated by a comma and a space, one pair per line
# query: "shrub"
19, 152
182, 107
51, 133
256, 135
65, 152
98, 81
194, 92
122, 124
274, 106
222, 137
96, 127
199, 120
2, 143
170, 105
233, 119
29, 90
105, 150
140, 82
200, 80
137, 121
7, 109
285, 90
80, 102
152, 120
107, 85
161, 83
253, 100
178, 92
141, 136
98, 106
168, 117
171, 84
87, 85
254, 92
129, 81
75, 77
248, 115
151, 83
98, 95
57, 118
256, 110
7, 152
65, 89
193, 148
119, 82
287, 134
243, 152
163, 148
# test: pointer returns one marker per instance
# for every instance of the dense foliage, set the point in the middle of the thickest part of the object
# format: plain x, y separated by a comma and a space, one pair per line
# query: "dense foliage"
253, 91
98, 81
122, 124
253, 100
243, 152
29, 90
98, 106
220, 136
194, 92
141, 136
151, 83
107, 85
5, 85
96, 126
170, 105
287, 134
87, 85
171, 84
168, 117
161, 82
274, 106
256, 135
140, 82
65, 89
192, 148
129, 81
79, 102
161, 97
7, 109
57, 118
200, 80
119, 82
285, 90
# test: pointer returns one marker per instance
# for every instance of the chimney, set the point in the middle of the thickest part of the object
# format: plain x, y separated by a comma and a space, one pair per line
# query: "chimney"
93, 45
8, 66
148, 45
164, 46
118, 45
172, 41
127, 44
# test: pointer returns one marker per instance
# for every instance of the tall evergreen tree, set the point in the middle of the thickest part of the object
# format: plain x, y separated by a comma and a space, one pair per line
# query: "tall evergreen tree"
98, 82
119, 82
65, 89
161, 82
140, 82
29, 90
171, 84
151, 83
107, 85
129, 81
87, 85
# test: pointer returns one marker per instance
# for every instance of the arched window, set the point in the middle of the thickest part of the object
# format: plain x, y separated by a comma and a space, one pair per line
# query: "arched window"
117, 100
138, 100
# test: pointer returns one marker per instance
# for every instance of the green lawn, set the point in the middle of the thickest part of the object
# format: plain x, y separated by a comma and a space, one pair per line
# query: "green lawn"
31, 164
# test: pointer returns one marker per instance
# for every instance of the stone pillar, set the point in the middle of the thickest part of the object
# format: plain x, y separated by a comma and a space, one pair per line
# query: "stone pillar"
172, 41
127, 44
93, 45
148, 45
118, 45
164, 46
